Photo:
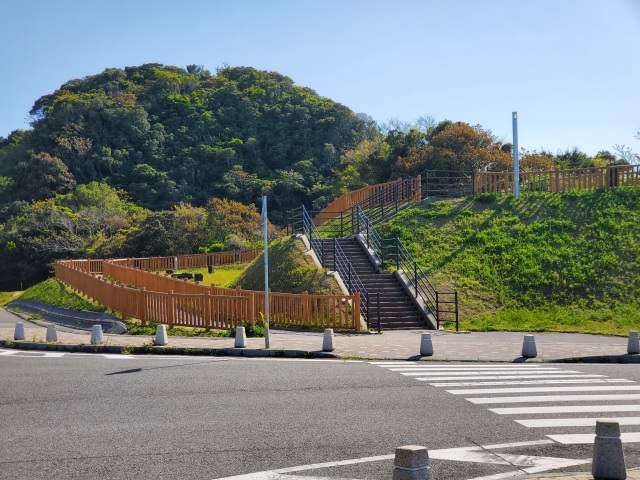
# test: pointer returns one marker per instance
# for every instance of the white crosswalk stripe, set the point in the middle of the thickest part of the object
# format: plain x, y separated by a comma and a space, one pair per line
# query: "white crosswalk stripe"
497, 385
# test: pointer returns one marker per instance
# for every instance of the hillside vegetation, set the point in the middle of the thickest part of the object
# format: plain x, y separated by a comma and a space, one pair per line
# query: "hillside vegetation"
562, 262
290, 271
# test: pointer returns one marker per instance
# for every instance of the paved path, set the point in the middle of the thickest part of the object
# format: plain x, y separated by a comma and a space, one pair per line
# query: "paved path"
400, 345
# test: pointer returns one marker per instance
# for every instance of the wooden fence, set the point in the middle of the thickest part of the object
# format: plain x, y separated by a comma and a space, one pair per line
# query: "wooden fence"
190, 261
350, 199
190, 310
557, 181
150, 296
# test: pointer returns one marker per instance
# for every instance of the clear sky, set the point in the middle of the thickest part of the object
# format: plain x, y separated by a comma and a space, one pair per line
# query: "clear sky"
570, 68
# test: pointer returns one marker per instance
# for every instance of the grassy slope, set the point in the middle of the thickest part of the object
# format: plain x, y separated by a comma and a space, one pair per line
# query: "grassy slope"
289, 271
53, 292
541, 262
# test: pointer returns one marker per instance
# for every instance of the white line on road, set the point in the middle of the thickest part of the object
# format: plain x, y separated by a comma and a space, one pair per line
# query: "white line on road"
8, 352
506, 377
554, 398
574, 422
468, 454
598, 388
566, 409
485, 373
509, 371
531, 382
471, 367
586, 438
397, 362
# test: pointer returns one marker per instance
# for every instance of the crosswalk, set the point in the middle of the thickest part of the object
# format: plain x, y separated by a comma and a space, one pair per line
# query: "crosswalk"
563, 403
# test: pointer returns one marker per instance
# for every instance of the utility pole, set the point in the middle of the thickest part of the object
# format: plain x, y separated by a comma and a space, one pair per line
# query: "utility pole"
516, 162
266, 271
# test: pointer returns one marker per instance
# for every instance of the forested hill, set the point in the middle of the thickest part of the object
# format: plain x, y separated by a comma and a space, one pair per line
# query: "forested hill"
167, 135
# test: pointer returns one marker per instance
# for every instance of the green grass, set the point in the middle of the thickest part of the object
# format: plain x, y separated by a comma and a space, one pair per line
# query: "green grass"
222, 276
561, 262
6, 297
136, 328
290, 271
53, 292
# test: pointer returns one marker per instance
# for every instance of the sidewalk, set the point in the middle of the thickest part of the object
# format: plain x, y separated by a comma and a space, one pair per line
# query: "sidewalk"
390, 345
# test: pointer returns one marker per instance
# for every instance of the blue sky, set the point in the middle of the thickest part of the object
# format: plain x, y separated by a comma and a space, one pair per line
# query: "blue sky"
571, 68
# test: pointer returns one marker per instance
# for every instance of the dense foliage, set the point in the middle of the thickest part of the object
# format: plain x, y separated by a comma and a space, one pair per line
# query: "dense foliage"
167, 135
577, 249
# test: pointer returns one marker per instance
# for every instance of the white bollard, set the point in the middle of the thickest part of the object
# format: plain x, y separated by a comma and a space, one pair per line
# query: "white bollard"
241, 338
18, 333
633, 346
426, 347
412, 463
161, 335
529, 347
96, 334
52, 334
327, 340
608, 457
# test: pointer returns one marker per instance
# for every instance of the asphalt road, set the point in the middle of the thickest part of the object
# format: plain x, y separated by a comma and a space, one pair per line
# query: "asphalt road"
93, 416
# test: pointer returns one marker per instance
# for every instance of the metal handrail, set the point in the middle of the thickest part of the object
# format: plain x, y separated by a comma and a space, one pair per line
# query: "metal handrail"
341, 263
405, 262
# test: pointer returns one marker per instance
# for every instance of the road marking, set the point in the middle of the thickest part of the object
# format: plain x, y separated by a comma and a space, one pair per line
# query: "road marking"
397, 362
598, 388
483, 454
119, 356
574, 422
397, 368
509, 377
554, 398
566, 409
8, 352
531, 382
510, 371
485, 373
579, 438
53, 355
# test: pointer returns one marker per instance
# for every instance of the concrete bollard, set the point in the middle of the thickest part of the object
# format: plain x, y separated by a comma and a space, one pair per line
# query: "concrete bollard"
411, 463
18, 333
426, 347
608, 457
529, 347
96, 334
241, 338
52, 334
633, 346
161, 335
327, 340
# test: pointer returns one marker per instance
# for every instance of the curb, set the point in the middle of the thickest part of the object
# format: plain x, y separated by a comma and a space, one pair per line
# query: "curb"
153, 350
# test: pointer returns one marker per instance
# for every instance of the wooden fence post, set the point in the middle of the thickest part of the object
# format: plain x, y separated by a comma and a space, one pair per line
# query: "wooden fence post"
208, 321
142, 305
252, 309
171, 309
476, 182
306, 310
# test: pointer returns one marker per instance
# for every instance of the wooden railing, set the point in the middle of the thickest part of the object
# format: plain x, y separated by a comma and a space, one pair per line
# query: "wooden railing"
350, 199
557, 181
190, 310
150, 296
190, 261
